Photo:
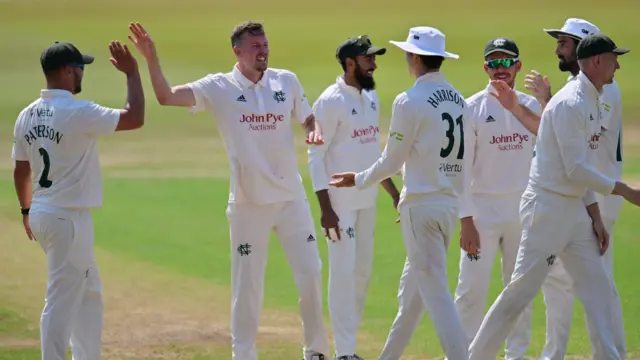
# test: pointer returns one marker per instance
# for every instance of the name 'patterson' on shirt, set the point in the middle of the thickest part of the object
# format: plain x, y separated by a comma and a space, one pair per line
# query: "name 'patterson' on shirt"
43, 132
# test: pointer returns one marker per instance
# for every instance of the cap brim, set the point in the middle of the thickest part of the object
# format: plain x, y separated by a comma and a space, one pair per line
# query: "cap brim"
411, 48
87, 59
621, 51
555, 33
500, 50
374, 50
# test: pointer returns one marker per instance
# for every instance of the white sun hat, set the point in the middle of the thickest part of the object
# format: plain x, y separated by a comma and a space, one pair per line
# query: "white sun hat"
575, 28
425, 40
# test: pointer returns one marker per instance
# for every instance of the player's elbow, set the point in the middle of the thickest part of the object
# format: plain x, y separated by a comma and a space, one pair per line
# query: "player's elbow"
131, 119
164, 99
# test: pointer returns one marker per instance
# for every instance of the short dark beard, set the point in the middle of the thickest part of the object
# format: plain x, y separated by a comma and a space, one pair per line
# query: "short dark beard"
365, 82
570, 66
78, 86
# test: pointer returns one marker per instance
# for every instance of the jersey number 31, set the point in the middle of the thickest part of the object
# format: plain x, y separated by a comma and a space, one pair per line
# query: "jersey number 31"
44, 182
444, 152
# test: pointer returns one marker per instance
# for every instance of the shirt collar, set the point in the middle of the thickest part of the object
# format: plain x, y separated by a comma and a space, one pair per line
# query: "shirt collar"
588, 85
246, 83
430, 77
351, 89
55, 93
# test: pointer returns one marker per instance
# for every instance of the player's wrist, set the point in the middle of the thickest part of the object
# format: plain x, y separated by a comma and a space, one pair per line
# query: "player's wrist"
25, 210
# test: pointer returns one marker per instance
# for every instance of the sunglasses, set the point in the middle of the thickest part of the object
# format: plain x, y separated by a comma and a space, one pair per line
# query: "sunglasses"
81, 66
506, 63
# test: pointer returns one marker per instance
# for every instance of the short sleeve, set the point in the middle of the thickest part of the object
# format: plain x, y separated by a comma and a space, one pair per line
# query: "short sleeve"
96, 119
204, 92
301, 107
19, 151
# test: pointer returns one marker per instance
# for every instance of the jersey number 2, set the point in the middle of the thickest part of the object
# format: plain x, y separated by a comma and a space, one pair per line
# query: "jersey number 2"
444, 152
44, 182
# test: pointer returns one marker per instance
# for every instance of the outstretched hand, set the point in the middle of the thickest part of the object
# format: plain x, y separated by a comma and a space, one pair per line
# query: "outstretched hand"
343, 180
122, 58
142, 40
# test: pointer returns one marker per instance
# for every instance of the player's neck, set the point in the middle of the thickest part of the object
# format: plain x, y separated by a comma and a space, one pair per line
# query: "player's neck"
252, 75
52, 85
597, 83
423, 71
351, 81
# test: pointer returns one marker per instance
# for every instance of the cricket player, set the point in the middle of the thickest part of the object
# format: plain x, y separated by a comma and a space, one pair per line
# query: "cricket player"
348, 112
55, 141
559, 212
607, 144
253, 106
499, 152
426, 136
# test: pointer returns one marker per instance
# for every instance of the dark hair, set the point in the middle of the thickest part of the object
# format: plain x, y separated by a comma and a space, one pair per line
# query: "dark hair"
431, 62
250, 27
343, 62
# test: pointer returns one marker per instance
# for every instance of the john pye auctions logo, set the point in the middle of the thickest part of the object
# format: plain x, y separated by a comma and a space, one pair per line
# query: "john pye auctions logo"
366, 135
509, 142
267, 121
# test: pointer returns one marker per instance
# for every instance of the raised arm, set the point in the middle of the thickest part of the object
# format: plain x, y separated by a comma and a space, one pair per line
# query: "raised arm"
509, 100
180, 95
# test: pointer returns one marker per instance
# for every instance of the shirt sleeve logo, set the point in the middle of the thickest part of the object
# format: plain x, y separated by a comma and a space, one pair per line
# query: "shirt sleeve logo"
396, 135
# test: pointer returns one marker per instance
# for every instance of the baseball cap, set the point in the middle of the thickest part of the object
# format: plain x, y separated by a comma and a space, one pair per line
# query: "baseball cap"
501, 44
61, 54
358, 45
575, 28
425, 40
596, 44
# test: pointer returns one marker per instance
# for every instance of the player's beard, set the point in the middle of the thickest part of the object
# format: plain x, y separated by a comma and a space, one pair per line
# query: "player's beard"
77, 79
568, 65
365, 82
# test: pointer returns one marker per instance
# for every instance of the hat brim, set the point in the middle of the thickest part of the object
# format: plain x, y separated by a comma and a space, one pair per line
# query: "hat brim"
621, 51
411, 48
87, 59
555, 33
502, 51
375, 50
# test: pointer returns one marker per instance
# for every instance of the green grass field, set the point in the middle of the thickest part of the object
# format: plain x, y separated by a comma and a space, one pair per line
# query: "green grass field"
162, 237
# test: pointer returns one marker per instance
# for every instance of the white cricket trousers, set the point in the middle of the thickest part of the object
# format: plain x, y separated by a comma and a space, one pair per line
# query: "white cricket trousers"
499, 227
559, 298
427, 232
250, 227
553, 226
350, 261
73, 309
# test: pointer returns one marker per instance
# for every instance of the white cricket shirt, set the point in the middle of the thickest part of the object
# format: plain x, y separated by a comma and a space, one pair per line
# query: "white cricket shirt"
563, 163
426, 136
350, 125
254, 121
56, 134
609, 152
498, 149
